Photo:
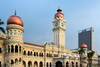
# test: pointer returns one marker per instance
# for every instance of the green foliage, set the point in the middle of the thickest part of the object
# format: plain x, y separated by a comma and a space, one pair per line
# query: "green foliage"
90, 54
1, 28
81, 50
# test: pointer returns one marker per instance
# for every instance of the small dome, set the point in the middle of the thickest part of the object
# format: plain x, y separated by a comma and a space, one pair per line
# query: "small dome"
15, 20
59, 14
83, 46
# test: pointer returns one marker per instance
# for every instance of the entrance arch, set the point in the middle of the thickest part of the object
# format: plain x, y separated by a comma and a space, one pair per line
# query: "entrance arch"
41, 64
29, 64
67, 64
72, 64
35, 64
24, 64
76, 64
58, 64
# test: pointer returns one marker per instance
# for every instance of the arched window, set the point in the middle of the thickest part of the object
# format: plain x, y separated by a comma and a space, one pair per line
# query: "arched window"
0, 63
24, 53
28, 53
72, 64
16, 60
35, 64
16, 49
10, 32
41, 64
47, 64
67, 64
20, 49
0, 50
40, 54
35, 53
19, 59
31, 53
29, 64
8, 49
50, 64
76, 64
58, 64
12, 48
12, 62
14, 32
24, 64
47, 55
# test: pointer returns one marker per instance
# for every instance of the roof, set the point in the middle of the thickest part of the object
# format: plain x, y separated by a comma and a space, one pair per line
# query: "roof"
33, 44
75, 52
2, 38
25, 43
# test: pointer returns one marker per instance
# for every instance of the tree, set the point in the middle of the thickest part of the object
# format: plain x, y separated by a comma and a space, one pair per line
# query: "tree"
81, 50
90, 55
1, 28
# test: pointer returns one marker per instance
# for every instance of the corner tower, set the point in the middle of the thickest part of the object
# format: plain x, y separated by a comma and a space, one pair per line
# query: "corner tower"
14, 42
59, 25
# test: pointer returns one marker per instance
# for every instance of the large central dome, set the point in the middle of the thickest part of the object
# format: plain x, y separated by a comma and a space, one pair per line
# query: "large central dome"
15, 20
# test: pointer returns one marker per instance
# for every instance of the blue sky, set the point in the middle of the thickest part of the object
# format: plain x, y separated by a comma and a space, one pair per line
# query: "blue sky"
37, 16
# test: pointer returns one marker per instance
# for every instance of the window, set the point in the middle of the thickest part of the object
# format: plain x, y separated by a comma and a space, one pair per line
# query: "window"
16, 49
20, 49
12, 48
0, 63
12, 62
28, 53
19, 59
35, 53
8, 48
0, 50
24, 53
14, 32
10, 32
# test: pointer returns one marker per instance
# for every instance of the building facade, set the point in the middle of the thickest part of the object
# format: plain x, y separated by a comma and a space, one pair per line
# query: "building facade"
14, 52
86, 36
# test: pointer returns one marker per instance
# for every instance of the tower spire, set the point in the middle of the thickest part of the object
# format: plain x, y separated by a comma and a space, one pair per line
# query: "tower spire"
59, 10
15, 12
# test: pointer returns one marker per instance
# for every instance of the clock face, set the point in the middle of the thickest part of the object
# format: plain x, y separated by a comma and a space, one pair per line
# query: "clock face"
56, 24
62, 24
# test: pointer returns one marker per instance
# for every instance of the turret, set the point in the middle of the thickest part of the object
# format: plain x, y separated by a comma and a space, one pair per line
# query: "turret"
83, 56
14, 41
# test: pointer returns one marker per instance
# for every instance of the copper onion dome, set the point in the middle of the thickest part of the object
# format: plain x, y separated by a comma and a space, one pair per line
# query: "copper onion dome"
83, 46
15, 20
59, 14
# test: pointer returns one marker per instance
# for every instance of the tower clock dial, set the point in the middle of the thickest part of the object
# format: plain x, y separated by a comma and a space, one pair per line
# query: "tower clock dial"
62, 24
56, 24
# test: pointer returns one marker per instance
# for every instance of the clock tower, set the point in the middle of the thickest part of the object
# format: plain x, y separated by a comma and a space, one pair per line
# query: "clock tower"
59, 25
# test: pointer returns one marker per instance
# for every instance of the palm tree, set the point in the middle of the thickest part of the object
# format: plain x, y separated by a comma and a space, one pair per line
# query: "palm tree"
90, 55
1, 28
81, 51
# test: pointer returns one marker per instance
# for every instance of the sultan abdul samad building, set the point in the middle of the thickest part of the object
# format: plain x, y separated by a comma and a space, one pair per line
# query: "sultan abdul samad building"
14, 52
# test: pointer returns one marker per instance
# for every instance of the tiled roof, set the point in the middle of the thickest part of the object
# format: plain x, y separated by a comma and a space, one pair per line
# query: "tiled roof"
25, 43
75, 52
2, 38
33, 44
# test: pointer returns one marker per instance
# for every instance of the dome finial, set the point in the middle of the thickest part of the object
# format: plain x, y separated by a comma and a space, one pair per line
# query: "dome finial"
59, 10
15, 12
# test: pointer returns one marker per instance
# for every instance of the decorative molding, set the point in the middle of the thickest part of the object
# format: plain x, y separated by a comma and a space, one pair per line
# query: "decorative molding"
13, 26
